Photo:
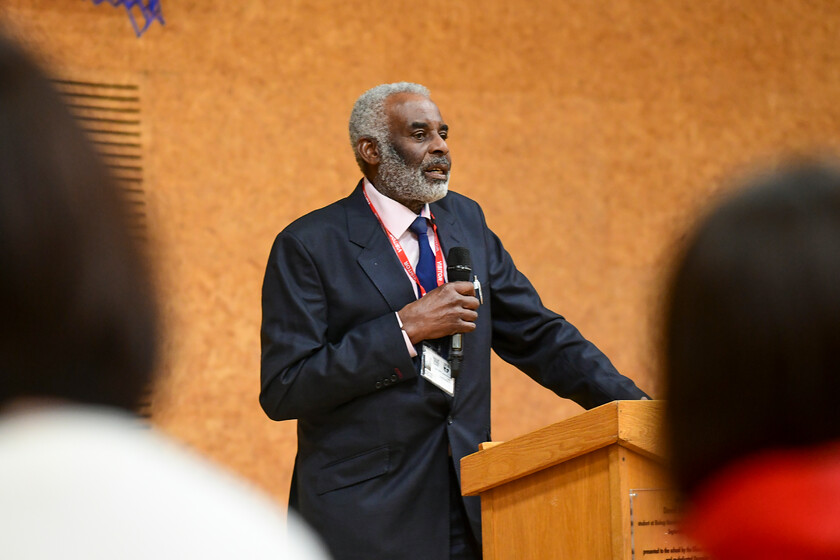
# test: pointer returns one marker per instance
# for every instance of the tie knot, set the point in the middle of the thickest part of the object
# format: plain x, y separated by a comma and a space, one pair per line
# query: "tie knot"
419, 226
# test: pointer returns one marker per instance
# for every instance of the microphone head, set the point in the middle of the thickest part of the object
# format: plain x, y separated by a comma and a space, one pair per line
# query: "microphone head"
459, 264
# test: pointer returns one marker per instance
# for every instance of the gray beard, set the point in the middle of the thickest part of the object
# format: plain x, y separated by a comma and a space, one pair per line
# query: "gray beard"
401, 182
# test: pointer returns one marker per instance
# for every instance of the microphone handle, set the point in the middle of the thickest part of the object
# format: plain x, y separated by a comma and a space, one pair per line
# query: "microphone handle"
456, 354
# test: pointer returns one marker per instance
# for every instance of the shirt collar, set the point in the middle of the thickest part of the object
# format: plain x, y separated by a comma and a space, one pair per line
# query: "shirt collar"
395, 217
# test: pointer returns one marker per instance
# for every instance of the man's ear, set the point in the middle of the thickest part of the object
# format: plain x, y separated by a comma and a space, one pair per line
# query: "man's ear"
368, 150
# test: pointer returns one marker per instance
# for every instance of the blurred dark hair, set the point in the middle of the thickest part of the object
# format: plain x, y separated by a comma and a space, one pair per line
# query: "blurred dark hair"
77, 312
752, 326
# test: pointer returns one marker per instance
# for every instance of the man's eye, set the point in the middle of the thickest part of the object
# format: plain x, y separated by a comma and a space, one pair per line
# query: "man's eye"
444, 135
419, 135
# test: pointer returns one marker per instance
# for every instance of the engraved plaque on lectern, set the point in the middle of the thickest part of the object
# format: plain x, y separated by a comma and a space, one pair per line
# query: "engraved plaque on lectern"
655, 532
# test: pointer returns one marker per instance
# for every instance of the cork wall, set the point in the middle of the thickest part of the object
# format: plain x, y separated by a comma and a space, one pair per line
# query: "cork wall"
591, 133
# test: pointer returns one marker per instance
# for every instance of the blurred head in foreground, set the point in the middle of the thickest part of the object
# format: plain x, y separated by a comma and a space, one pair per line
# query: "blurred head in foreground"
77, 349
78, 314
752, 357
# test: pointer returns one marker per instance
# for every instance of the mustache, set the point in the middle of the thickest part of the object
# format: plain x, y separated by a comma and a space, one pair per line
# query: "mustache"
438, 162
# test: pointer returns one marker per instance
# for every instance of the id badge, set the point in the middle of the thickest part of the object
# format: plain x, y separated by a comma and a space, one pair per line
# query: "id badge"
436, 370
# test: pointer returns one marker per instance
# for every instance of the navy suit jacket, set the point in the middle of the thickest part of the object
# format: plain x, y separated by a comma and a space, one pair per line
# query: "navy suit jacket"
372, 469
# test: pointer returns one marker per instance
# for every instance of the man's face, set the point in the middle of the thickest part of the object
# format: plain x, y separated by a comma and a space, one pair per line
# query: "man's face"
415, 164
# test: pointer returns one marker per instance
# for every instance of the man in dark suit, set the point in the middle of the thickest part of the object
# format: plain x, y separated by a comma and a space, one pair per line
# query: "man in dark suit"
357, 319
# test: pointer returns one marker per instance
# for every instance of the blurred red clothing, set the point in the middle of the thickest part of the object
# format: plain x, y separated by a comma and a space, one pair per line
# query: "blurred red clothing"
779, 505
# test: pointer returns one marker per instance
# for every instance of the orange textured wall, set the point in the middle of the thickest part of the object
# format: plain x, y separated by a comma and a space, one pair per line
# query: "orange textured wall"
591, 132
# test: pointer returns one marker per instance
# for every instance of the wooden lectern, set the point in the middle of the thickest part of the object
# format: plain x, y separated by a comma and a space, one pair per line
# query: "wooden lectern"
563, 491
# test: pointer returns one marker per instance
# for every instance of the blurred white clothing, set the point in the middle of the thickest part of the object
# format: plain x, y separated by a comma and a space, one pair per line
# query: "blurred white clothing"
96, 483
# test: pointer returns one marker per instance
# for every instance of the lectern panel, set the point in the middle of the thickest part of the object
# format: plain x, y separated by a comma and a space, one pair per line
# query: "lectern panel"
550, 515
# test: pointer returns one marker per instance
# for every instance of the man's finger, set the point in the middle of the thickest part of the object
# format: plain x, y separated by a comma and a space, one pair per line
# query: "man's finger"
463, 288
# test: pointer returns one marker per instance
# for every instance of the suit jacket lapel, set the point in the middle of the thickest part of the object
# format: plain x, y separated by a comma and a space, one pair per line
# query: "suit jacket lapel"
449, 230
377, 257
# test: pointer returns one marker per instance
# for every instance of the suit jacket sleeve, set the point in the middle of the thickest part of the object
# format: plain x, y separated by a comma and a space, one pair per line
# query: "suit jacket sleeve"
305, 371
542, 343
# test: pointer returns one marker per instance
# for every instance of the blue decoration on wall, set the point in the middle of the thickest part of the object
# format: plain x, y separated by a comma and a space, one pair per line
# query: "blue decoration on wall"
149, 9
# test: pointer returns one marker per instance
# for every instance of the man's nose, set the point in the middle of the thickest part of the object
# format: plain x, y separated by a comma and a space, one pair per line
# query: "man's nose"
438, 146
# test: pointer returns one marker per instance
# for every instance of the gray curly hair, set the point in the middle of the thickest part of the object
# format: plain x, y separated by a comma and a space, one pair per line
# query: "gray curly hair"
367, 120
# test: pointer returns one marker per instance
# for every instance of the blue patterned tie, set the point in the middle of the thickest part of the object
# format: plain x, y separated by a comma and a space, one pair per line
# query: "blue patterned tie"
425, 269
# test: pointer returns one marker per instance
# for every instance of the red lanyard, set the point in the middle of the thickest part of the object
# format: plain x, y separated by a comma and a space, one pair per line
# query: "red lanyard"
395, 243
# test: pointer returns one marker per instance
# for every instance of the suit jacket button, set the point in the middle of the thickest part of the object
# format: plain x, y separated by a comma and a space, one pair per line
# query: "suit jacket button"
378, 384
386, 381
393, 377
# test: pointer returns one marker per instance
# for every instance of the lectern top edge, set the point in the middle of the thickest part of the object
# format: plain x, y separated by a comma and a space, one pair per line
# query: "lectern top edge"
632, 424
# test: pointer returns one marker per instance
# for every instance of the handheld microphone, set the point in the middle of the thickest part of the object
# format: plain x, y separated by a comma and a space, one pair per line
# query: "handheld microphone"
459, 269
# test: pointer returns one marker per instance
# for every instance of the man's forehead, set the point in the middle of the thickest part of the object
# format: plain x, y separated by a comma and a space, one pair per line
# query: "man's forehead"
408, 109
